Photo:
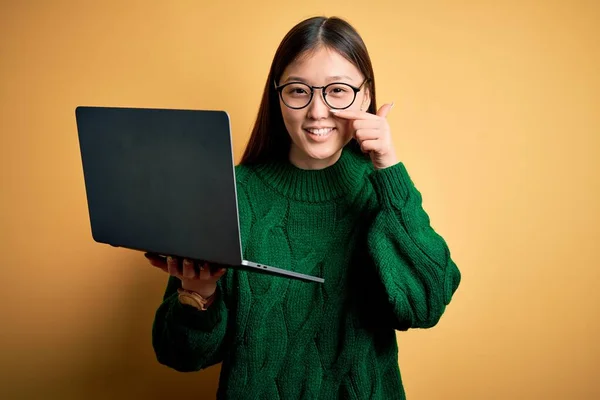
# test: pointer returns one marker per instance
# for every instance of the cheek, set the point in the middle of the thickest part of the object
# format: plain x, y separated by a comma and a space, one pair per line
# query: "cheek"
292, 119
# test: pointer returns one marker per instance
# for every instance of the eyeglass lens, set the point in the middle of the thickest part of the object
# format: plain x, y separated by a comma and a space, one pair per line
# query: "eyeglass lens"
337, 95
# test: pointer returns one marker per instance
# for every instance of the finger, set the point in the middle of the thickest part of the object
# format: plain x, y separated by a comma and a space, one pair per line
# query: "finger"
173, 266
384, 110
367, 134
156, 260
188, 269
349, 114
219, 273
204, 271
365, 123
368, 146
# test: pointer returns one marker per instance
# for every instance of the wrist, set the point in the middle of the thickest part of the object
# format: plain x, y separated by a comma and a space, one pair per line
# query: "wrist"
384, 162
203, 290
192, 298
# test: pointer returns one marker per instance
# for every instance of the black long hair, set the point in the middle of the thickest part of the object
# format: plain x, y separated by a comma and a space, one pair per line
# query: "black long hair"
269, 139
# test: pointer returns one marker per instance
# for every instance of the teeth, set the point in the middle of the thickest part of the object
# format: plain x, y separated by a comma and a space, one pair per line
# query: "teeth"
320, 132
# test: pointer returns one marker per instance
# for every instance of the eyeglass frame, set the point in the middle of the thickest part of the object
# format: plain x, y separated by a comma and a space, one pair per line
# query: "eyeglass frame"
355, 89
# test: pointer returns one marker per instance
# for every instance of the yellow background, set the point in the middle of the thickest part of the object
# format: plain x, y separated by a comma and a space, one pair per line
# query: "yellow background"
497, 117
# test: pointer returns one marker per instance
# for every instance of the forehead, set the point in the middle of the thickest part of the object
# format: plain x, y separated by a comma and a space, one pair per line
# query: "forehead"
320, 64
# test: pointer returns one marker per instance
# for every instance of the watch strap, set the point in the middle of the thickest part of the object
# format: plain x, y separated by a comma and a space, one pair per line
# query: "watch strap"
194, 299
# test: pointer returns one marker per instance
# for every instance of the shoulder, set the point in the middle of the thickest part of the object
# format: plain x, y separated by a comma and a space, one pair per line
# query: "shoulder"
242, 171
248, 184
244, 175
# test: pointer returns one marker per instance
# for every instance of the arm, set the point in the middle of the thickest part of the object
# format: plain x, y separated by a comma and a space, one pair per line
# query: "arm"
185, 338
411, 259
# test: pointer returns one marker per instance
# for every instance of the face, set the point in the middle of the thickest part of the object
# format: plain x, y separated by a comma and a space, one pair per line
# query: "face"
317, 136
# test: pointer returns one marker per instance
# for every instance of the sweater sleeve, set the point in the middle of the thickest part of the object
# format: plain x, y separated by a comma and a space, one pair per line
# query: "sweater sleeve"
412, 260
187, 339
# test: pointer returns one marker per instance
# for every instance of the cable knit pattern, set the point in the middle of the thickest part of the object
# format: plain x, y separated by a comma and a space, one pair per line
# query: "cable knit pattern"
385, 268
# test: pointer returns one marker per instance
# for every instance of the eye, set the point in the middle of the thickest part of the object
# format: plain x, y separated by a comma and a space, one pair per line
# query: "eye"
297, 90
339, 90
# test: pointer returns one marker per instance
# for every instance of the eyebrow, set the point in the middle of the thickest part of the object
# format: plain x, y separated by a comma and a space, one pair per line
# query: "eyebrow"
329, 79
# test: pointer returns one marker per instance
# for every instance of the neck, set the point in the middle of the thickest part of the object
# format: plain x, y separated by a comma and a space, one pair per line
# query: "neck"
340, 178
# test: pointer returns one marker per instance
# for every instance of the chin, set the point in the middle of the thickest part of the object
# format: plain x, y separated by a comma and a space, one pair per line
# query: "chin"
323, 153
314, 154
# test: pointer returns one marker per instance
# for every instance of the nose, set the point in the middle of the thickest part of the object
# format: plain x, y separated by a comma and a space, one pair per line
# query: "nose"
318, 109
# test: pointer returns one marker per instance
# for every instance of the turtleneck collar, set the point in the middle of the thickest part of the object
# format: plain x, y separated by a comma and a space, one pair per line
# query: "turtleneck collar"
342, 178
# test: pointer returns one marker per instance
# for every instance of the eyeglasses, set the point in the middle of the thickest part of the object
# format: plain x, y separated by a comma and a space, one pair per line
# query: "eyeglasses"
337, 95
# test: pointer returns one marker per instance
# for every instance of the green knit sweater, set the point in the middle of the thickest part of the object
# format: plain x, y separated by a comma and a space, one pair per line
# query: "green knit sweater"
385, 269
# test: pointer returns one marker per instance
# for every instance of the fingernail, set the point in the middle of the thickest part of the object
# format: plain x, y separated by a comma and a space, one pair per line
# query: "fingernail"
333, 111
392, 105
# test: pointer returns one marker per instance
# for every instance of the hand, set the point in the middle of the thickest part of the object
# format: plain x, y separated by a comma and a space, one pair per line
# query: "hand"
373, 134
199, 277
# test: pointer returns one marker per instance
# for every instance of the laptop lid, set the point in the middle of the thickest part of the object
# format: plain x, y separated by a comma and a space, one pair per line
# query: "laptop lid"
161, 181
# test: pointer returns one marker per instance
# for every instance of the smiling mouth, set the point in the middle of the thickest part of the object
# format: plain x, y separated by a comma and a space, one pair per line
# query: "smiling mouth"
320, 132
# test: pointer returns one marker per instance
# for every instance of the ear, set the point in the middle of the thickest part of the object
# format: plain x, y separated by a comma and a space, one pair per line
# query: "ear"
366, 102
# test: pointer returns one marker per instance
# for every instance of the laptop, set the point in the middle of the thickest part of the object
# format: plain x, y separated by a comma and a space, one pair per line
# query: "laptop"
163, 181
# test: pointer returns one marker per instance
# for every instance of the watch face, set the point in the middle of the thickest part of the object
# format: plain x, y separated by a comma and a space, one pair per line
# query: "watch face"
191, 300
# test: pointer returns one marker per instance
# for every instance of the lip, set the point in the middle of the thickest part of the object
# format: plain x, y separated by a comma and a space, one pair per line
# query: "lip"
326, 133
319, 127
319, 138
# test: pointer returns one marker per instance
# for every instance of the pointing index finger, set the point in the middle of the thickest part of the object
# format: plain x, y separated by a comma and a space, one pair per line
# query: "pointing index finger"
349, 114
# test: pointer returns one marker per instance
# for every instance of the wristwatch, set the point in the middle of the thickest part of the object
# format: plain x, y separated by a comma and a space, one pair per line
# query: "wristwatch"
194, 299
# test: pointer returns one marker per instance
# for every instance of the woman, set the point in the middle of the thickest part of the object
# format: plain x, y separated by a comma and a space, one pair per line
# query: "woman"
322, 192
